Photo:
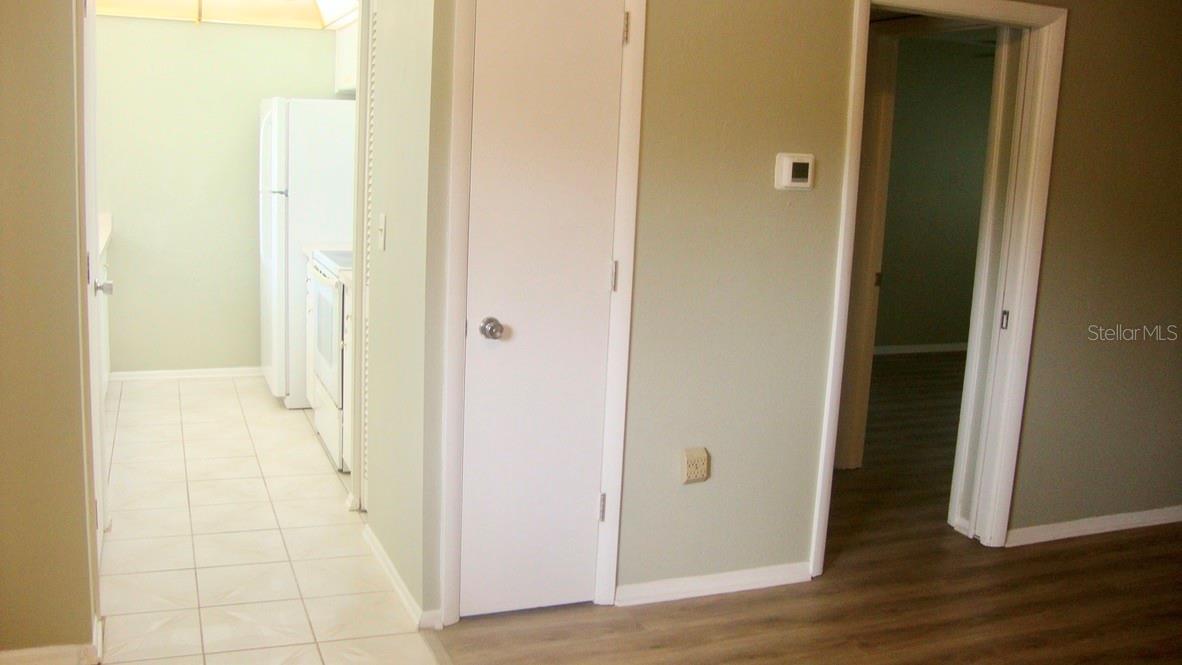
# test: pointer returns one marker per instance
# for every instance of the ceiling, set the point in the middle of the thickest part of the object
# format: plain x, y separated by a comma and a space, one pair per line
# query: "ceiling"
311, 14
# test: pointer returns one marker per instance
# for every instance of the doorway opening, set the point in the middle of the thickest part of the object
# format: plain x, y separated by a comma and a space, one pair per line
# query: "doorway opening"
930, 100
222, 175
1027, 66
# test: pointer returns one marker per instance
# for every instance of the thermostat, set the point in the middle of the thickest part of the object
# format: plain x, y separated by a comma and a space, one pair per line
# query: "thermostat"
794, 171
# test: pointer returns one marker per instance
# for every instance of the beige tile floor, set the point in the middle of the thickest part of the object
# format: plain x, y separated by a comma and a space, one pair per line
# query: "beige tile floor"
230, 541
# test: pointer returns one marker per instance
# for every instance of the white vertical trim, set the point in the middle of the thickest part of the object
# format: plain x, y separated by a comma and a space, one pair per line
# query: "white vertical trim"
980, 361
367, 26
1002, 421
841, 281
620, 317
455, 311
93, 343
94, 651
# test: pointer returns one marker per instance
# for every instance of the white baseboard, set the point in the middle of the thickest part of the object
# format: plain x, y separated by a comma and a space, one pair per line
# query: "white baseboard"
170, 374
95, 651
1092, 525
900, 349
408, 600
708, 585
68, 654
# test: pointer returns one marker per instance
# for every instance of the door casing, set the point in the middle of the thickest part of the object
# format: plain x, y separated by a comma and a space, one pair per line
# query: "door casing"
986, 301
1000, 417
455, 307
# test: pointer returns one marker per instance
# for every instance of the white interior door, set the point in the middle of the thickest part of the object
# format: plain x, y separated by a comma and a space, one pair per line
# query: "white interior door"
546, 106
96, 288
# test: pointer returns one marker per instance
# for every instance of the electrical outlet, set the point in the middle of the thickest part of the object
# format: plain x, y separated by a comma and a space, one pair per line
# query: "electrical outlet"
695, 465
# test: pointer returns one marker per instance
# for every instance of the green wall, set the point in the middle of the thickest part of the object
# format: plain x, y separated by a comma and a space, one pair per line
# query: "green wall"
178, 123
405, 150
941, 124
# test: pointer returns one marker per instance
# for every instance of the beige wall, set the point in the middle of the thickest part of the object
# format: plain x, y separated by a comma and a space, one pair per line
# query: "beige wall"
1102, 431
733, 283
178, 118
734, 280
44, 539
933, 213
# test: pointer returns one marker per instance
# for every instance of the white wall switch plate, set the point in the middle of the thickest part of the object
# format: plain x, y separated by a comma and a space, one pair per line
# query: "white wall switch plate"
794, 171
695, 465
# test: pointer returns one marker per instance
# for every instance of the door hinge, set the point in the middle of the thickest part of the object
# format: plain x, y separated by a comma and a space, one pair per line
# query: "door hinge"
88, 269
602, 506
1005, 319
615, 275
878, 279
627, 26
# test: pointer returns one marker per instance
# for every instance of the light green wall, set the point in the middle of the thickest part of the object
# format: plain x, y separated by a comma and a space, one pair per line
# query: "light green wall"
44, 535
1102, 432
437, 213
734, 282
178, 118
405, 150
942, 100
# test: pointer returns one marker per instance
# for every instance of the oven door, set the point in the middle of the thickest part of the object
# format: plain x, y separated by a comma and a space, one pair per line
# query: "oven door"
328, 304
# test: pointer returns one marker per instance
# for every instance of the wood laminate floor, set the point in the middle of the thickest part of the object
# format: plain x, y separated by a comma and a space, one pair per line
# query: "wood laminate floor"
900, 586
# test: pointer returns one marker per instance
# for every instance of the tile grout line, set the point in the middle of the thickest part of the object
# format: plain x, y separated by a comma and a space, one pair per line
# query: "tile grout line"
254, 563
258, 602
114, 438
184, 442
290, 565
192, 536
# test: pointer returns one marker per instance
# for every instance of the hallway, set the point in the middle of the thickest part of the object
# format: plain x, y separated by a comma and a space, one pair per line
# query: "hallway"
900, 586
230, 541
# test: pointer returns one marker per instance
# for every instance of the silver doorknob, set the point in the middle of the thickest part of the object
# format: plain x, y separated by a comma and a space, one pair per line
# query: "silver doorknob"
491, 328
104, 287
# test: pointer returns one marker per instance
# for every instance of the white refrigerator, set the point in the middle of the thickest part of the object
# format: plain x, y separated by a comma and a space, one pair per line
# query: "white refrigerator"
306, 195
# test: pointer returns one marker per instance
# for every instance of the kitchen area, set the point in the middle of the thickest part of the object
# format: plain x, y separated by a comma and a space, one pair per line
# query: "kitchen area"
226, 158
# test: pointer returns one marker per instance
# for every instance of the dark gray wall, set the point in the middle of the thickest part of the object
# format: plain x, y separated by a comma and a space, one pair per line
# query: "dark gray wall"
942, 102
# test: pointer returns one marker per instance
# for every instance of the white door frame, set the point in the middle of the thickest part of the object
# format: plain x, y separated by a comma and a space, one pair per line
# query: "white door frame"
96, 375
455, 309
362, 251
1025, 219
874, 179
986, 300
